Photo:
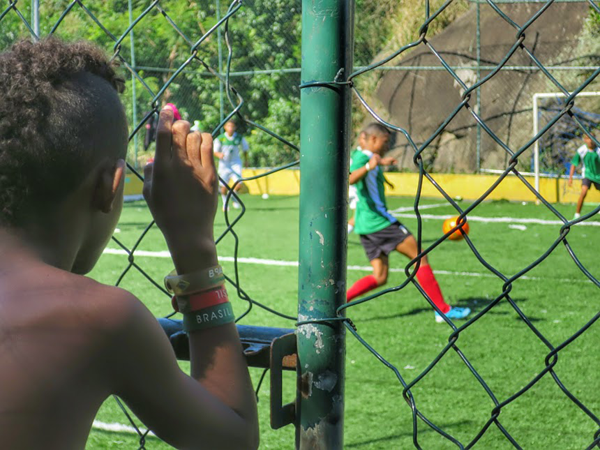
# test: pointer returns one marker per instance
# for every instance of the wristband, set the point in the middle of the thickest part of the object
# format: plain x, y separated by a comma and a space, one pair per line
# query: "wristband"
195, 282
208, 318
368, 167
197, 302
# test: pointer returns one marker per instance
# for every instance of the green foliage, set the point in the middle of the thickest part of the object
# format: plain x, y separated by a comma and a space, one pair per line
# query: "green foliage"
263, 34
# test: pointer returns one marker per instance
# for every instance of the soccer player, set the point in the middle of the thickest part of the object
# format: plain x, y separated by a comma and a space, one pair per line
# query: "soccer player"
152, 123
589, 154
228, 147
352, 195
380, 232
67, 342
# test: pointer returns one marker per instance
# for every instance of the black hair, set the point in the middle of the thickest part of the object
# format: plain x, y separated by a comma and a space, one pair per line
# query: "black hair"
376, 129
50, 96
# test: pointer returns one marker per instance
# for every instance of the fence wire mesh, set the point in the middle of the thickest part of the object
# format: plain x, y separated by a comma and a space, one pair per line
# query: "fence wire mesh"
520, 49
193, 53
198, 44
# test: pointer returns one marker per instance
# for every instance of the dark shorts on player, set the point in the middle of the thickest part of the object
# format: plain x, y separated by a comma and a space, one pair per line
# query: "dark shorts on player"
384, 241
587, 182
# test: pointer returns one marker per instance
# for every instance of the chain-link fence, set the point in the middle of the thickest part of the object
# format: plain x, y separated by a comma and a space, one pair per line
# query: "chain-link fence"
473, 39
196, 72
525, 23
186, 53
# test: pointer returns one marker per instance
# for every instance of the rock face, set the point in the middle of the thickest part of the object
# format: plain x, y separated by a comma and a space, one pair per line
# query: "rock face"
421, 100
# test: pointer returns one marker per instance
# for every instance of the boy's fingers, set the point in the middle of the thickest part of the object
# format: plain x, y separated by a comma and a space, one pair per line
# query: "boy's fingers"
193, 146
181, 129
148, 170
164, 136
206, 151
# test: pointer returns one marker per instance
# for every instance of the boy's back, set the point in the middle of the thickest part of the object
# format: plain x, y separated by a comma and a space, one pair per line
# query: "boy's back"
56, 353
67, 342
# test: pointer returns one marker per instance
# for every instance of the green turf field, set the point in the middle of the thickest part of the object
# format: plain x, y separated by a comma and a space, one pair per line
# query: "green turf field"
555, 296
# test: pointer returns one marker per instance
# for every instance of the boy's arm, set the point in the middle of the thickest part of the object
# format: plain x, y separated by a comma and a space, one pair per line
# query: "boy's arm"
216, 408
245, 148
362, 171
571, 172
574, 163
217, 149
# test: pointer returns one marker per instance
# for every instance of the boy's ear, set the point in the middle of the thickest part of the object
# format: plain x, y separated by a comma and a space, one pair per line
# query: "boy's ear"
107, 186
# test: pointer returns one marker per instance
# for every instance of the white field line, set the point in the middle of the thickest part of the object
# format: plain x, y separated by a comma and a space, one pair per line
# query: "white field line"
276, 262
133, 198
117, 427
495, 219
412, 208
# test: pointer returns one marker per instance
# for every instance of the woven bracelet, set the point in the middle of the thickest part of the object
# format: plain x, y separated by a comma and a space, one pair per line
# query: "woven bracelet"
193, 283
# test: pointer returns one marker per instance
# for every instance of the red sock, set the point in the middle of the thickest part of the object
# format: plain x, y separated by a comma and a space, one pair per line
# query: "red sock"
432, 288
361, 286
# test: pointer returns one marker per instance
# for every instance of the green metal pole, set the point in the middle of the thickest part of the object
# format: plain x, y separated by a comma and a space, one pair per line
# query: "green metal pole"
327, 47
479, 88
133, 90
35, 17
220, 52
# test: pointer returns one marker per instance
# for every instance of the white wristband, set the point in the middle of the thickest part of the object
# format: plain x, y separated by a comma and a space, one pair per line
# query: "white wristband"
368, 167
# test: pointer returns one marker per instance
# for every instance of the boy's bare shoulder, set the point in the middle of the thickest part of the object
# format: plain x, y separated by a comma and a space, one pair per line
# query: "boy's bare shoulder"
93, 304
104, 304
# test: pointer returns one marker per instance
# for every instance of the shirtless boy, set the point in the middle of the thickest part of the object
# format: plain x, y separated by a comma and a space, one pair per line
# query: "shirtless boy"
66, 341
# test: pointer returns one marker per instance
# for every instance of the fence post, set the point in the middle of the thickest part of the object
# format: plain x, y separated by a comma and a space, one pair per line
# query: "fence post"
327, 44
35, 18
133, 89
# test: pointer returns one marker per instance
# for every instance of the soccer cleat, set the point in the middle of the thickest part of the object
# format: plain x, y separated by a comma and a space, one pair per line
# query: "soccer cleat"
454, 313
236, 205
350, 228
576, 216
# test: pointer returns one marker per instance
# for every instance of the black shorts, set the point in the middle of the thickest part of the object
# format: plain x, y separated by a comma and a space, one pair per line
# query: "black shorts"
587, 182
384, 241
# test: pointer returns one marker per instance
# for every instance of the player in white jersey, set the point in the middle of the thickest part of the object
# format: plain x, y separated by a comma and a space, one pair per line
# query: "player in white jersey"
230, 147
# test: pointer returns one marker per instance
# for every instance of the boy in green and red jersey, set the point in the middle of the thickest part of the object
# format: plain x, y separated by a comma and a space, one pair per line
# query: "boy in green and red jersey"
589, 154
380, 232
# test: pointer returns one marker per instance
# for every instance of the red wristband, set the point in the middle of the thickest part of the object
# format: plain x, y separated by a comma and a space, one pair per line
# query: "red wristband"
197, 302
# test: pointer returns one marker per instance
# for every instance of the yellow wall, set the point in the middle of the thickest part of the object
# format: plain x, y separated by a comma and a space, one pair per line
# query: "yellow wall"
133, 185
469, 187
284, 182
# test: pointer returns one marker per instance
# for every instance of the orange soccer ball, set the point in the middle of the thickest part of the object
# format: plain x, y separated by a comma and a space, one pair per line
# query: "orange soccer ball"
451, 223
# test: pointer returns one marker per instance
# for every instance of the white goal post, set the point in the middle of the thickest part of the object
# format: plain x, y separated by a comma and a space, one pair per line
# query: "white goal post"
536, 147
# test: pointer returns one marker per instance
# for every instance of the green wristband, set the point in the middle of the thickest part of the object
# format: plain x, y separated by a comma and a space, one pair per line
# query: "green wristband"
210, 317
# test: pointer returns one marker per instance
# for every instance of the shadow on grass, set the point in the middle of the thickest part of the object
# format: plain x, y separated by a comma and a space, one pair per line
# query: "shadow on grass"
422, 430
412, 312
476, 304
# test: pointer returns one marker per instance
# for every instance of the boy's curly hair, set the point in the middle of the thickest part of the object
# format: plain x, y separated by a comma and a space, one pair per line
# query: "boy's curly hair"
46, 108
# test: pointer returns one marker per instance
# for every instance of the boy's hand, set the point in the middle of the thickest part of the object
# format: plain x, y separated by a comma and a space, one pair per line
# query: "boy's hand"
570, 182
388, 161
181, 189
374, 161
